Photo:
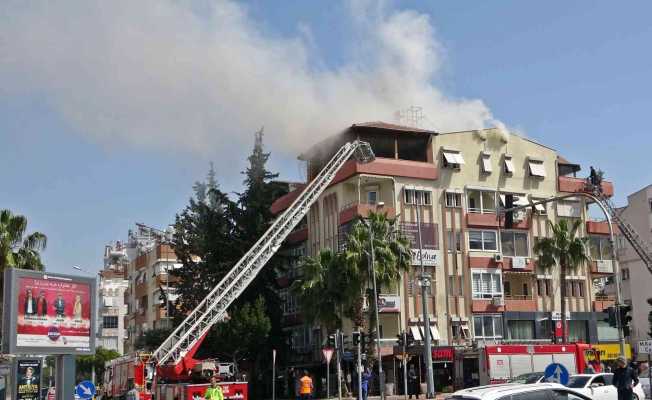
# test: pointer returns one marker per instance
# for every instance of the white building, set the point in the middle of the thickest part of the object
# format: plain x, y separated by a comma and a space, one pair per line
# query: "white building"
112, 307
636, 279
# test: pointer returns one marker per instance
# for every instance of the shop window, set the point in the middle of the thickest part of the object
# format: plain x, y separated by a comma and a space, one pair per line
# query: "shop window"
577, 331
520, 329
482, 240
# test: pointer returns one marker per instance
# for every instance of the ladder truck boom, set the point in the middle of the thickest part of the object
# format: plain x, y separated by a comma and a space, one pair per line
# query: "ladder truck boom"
187, 337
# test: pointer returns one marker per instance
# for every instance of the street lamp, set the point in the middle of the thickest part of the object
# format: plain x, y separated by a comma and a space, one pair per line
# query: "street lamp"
372, 272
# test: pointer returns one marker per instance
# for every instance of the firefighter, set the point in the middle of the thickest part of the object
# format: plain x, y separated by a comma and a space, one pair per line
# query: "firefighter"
306, 386
215, 391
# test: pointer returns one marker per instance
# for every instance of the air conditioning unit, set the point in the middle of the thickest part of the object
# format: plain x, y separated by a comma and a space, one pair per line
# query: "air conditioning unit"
519, 262
498, 301
498, 257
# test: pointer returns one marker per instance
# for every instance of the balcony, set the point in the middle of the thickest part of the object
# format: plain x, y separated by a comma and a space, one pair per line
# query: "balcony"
164, 278
353, 210
484, 220
298, 235
569, 184
481, 305
520, 302
602, 302
285, 201
599, 228
507, 263
388, 167
523, 264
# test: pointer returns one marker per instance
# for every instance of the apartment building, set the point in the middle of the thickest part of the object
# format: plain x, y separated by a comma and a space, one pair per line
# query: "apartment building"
112, 308
148, 278
636, 279
486, 285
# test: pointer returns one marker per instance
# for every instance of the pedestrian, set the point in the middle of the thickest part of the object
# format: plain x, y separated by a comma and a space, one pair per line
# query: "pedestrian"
366, 377
306, 386
413, 382
215, 391
625, 378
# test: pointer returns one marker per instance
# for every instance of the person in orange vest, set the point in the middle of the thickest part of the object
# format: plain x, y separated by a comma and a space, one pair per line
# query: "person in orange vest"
306, 386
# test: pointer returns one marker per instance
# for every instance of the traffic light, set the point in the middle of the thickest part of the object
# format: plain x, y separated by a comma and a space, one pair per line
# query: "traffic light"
509, 215
363, 341
331, 341
611, 317
409, 339
355, 337
400, 341
625, 318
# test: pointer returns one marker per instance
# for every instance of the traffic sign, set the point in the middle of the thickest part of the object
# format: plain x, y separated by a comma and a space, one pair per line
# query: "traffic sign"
645, 347
556, 373
85, 390
328, 354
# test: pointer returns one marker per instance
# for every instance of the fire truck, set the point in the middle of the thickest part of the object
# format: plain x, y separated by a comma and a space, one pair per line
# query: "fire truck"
501, 362
171, 372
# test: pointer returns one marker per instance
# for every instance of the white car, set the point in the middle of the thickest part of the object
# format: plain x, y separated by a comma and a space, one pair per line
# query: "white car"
599, 386
516, 391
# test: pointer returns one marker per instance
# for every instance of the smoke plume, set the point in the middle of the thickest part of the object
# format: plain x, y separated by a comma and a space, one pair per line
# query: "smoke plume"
202, 78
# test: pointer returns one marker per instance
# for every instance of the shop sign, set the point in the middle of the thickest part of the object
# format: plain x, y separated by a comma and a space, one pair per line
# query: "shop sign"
442, 354
388, 303
430, 257
611, 351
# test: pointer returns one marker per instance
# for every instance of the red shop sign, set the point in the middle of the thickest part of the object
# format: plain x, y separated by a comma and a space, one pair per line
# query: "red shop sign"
442, 354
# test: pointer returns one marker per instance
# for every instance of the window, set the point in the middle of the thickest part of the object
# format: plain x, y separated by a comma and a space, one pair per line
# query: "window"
526, 289
536, 168
417, 196
520, 329
568, 208
650, 202
625, 273
486, 285
509, 165
599, 248
452, 159
514, 244
488, 326
110, 322
482, 240
372, 197
454, 242
481, 201
605, 331
508, 288
486, 163
453, 199
460, 285
577, 331
544, 287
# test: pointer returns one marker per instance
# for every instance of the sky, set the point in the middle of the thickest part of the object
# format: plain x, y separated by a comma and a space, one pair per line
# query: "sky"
109, 111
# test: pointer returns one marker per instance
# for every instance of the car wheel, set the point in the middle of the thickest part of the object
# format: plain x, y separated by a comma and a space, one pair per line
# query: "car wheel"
634, 396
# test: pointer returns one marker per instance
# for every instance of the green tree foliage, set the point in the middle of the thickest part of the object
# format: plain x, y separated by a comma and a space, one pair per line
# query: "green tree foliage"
152, 339
333, 285
563, 248
203, 243
84, 364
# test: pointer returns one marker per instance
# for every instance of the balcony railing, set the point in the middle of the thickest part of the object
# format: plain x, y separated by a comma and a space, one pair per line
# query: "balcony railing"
569, 184
359, 209
520, 302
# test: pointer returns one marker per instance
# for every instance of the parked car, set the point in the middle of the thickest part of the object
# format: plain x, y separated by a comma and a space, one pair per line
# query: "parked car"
515, 391
530, 377
599, 386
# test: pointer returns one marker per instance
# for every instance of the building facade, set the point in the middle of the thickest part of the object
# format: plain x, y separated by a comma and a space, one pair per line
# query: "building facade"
112, 308
636, 279
486, 285
148, 277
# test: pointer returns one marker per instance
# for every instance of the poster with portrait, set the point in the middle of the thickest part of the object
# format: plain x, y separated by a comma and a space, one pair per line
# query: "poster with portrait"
50, 313
28, 379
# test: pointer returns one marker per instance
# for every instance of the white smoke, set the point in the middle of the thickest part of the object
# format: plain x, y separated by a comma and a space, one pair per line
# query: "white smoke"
202, 78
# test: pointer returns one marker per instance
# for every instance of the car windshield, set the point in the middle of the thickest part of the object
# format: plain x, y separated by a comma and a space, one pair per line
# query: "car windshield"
534, 378
577, 381
530, 377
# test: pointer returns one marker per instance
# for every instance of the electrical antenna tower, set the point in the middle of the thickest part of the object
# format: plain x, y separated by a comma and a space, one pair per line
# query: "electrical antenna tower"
411, 116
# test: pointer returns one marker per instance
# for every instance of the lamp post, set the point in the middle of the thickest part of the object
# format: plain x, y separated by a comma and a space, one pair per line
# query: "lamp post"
424, 282
372, 272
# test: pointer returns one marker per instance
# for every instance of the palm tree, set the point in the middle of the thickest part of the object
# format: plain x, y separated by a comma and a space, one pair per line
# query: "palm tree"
391, 256
16, 249
318, 289
563, 248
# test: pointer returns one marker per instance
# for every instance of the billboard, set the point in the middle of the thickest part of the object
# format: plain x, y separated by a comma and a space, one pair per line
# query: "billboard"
28, 379
48, 313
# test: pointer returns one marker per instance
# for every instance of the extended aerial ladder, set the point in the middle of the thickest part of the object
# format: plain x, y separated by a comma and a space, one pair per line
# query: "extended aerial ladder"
186, 338
627, 230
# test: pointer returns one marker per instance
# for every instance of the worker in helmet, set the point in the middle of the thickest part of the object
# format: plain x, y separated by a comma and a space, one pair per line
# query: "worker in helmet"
215, 391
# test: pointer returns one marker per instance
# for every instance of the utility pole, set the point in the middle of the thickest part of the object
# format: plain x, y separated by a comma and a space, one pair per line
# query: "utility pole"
405, 380
381, 378
338, 348
425, 284
359, 366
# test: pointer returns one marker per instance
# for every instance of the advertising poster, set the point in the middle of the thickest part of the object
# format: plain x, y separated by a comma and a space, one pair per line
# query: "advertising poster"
28, 376
53, 313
